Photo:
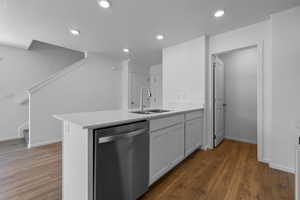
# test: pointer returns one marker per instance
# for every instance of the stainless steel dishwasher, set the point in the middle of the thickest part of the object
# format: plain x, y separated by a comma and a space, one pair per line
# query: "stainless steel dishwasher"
121, 161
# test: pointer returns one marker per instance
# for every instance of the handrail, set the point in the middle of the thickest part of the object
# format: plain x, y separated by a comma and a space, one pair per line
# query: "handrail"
57, 75
22, 97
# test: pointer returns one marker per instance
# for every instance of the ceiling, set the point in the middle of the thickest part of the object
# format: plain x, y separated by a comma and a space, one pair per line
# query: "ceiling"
128, 23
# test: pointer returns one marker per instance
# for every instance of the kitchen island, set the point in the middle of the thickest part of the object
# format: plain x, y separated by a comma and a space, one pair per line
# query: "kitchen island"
173, 136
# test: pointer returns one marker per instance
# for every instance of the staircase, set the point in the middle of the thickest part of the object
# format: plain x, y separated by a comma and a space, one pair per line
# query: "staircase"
21, 100
26, 135
23, 131
15, 98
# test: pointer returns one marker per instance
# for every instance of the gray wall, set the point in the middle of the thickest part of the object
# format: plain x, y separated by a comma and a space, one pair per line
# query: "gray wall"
285, 90
183, 74
19, 70
241, 94
95, 85
139, 76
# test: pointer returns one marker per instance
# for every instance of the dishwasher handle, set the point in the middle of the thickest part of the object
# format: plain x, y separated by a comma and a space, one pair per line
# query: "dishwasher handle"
121, 136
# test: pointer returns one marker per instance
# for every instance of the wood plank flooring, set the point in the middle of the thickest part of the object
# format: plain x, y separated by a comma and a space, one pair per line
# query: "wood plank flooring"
31, 174
230, 172
12, 145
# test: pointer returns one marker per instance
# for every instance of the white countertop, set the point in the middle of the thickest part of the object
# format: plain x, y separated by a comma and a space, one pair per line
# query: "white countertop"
100, 119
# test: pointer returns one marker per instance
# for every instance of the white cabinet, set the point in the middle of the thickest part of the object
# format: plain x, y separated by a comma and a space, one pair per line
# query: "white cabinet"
166, 146
193, 132
193, 135
172, 139
161, 123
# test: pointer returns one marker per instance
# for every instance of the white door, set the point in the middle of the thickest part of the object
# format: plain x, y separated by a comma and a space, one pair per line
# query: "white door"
219, 101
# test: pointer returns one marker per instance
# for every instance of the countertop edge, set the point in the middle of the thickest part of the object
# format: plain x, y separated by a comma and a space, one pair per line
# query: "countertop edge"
139, 117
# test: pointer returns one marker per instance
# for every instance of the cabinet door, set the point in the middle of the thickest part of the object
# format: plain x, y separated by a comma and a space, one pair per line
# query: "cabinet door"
158, 154
166, 150
198, 133
176, 144
193, 135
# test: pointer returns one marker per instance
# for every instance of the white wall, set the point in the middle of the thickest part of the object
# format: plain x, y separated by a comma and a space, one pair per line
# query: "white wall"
125, 84
96, 85
241, 94
184, 74
248, 36
286, 83
156, 86
19, 70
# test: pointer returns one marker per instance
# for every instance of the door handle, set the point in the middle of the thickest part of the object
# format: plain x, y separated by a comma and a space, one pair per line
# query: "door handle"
121, 136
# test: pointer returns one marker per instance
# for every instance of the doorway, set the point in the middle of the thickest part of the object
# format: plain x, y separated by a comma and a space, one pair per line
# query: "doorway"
235, 95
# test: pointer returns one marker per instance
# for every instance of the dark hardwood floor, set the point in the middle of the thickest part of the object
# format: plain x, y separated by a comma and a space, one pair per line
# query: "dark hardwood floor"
230, 172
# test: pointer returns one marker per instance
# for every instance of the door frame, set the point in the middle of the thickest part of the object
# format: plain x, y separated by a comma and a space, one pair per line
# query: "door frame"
214, 62
260, 97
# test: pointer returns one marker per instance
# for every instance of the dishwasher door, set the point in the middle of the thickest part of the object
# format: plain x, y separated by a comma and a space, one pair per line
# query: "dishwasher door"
121, 162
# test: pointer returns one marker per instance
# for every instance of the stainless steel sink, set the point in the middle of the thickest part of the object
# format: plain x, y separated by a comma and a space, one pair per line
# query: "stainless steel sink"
145, 112
158, 110
150, 111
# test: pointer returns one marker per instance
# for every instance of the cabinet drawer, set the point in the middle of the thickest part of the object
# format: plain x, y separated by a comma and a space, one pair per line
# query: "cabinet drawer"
194, 115
160, 123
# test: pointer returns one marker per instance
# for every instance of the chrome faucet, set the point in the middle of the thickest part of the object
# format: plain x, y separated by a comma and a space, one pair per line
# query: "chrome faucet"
142, 97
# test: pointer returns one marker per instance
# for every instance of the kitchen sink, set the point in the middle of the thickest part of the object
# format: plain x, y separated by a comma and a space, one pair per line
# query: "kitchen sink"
145, 112
150, 111
158, 110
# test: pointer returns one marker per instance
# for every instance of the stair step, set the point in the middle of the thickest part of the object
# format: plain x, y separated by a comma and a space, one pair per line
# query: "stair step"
26, 135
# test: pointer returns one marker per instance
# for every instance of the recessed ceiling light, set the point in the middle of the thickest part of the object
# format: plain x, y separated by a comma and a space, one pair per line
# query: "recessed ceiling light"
219, 13
125, 50
160, 37
74, 32
104, 3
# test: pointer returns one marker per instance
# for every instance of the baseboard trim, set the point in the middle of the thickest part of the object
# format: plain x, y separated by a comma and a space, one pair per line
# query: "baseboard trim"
10, 138
205, 148
44, 143
241, 140
266, 160
281, 168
